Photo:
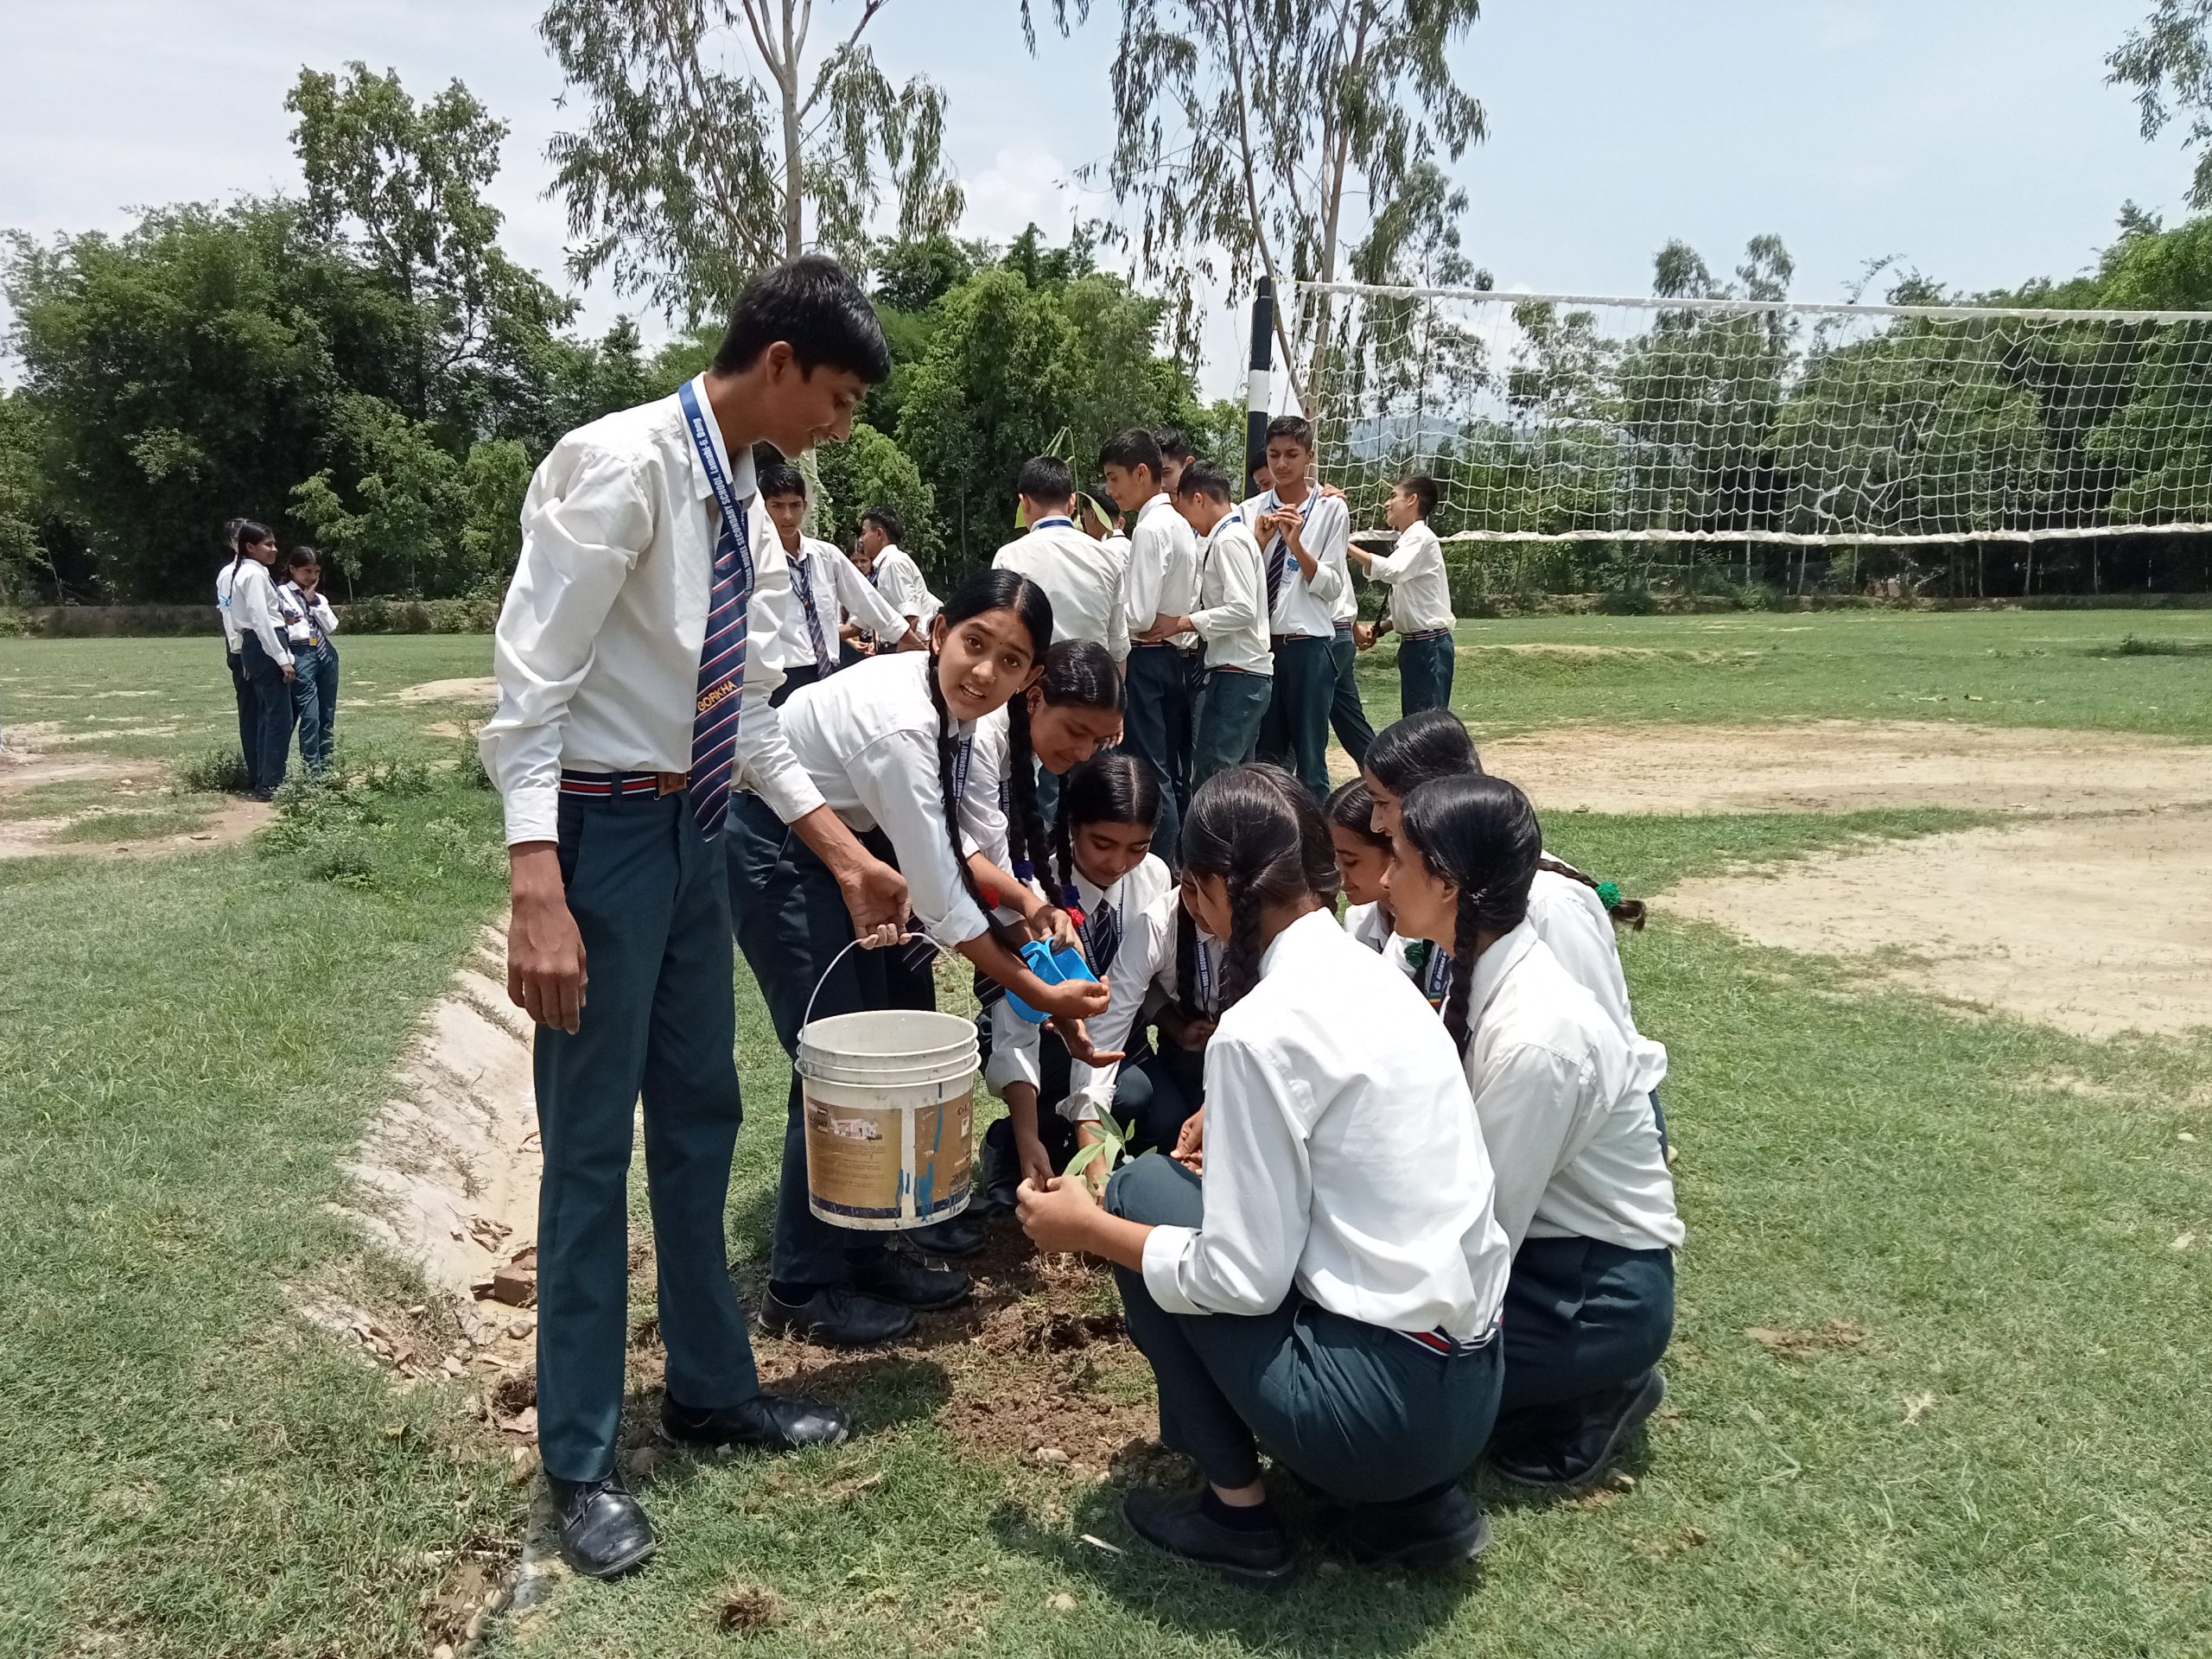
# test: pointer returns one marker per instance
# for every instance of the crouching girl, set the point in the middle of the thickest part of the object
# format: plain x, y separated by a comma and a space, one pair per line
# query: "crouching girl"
1329, 1294
1583, 1192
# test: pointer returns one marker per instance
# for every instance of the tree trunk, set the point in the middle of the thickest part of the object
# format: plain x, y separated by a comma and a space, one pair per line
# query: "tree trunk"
1337, 147
786, 74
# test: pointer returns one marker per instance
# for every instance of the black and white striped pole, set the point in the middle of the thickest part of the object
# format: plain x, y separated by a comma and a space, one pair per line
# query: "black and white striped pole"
1256, 388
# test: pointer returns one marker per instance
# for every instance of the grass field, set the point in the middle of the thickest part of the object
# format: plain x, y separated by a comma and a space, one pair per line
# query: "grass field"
1935, 1381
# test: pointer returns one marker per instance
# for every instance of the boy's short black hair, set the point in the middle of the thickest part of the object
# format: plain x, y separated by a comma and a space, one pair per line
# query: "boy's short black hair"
782, 478
812, 304
1204, 478
885, 520
1422, 488
1047, 481
1291, 426
1132, 450
1173, 446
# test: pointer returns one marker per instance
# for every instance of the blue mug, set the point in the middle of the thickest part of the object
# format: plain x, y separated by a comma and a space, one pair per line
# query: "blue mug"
1054, 968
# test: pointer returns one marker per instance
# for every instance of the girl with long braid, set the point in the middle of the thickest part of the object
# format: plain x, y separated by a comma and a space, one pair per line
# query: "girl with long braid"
886, 743
1330, 1292
1583, 1192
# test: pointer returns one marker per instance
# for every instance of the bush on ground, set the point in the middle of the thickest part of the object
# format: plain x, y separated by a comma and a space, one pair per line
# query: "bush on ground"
219, 771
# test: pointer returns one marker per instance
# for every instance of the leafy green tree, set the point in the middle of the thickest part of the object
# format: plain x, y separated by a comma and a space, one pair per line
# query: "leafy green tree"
2169, 63
687, 177
26, 504
869, 470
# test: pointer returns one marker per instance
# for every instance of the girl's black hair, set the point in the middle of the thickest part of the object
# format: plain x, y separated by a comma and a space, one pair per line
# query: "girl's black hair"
249, 534
1626, 913
1256, 828
1351, 809
1481, 834
995, 590
300, 555
1114, 788
1430, 744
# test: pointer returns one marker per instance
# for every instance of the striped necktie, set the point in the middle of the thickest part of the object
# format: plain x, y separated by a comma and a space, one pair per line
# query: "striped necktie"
825, 660
721, 653
1102, 937
1278, 558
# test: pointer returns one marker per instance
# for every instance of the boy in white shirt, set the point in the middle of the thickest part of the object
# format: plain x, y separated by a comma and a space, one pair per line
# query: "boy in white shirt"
233, 649
1232, 619
1078, 573
826, 584
893, 569
1162, 673
634, 685
1303, 534
1420, 596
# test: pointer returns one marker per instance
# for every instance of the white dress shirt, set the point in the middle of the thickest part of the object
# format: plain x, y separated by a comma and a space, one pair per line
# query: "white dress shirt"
253, 609
1136, 901
898, 579
308, 621
1572, 921
1163, 567
1303, 607
1341, 1157
837, 587
1083, 578
223, 605
1143, 981
1369, 925
868, 738
1232, 613
597, 648
1420, 592
1572, 1138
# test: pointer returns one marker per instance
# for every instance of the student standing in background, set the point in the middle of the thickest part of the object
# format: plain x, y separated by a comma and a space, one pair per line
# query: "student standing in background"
826, 584
241, 686
267, 657
1232, 619
1420, 596
1163, 581
893, 569
308, 624
1303, 534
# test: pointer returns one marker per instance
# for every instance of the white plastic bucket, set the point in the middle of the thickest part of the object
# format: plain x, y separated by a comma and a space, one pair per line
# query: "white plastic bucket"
889, 1097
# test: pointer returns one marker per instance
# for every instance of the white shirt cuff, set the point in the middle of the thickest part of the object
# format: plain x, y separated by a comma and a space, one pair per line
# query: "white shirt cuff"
1165, 1250
533, 814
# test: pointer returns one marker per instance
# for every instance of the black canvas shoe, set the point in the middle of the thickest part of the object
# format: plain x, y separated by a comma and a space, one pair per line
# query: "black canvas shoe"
836, 1317
604, 1532
772, 1422
1439, 1531
963, 1234
1589, 1444
1174, 1521
892, 1278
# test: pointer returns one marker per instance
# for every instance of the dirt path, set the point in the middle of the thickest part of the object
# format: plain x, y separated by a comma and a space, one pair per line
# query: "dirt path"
139, 786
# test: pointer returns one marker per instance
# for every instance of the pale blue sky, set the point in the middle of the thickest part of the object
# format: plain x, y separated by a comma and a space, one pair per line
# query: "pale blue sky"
1973, 139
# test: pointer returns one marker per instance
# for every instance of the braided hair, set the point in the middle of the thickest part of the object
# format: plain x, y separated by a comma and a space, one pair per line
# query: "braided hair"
1624, 913
1481, 834
1113, 787
1257, 827
992, 590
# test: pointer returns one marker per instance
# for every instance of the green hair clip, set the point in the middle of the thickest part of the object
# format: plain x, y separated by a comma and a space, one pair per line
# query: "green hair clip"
1608, 894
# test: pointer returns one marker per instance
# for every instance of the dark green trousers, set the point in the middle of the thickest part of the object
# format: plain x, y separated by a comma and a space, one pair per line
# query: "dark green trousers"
1295, 732
1360, 1412
1582, 1316
660, 1025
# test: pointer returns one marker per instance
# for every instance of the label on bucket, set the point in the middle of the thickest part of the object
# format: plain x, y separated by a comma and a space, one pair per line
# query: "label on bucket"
856, 1161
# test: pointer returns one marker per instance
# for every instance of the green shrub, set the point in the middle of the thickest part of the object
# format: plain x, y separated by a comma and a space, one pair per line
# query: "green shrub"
347, 859
219, 771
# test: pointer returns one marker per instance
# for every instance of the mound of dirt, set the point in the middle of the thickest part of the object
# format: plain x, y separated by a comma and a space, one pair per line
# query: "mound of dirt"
481, 689
2096, 924
1847, 766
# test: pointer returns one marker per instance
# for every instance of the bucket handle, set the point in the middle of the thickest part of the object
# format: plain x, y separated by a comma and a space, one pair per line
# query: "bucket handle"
854, 945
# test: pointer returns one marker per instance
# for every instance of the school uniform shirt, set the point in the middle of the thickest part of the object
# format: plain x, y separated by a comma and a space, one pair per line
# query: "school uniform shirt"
1163, 576
253, 604
1083, 578
1306, 608
1143, 981
597, 647
1420, 592
1341, 1158
223, 607
1232, 613
898, 579
1369, 925
837, 587
1346, 609
867, 738
1128, 915
307, 621
1571, 919
1572, 1138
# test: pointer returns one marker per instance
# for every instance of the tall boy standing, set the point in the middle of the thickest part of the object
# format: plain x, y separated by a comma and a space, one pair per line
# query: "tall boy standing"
631, 657
1161, 675
825, 584
1304, 534
1079, 573
1232, 619
1420, 596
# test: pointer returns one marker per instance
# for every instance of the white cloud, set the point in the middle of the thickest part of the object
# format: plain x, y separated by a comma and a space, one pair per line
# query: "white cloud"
1022, 187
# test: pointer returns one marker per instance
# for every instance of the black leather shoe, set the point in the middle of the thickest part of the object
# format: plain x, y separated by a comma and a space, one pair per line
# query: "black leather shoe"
998, 1181
604, 1532
1589, 1443
963, 1234
1174, 1521
892, 1278
1440, 1532
772, 1422
838, 1317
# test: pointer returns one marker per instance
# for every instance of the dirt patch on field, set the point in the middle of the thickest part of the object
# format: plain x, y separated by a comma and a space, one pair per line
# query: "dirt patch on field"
1842, 765
481, 689
139, 790
2096, 924
28, 767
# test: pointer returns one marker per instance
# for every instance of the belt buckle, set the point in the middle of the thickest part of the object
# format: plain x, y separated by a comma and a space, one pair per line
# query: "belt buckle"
671, 782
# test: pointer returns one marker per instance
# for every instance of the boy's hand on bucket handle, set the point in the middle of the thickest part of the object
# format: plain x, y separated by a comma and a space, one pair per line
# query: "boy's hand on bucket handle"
874, 892
545, 953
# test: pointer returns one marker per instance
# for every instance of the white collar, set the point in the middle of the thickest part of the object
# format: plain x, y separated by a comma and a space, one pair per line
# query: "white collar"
1296, 939
1163, 499
1493, 965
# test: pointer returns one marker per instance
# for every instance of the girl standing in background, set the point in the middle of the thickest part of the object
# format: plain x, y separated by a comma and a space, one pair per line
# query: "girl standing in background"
308, 624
